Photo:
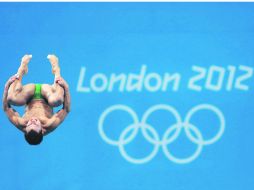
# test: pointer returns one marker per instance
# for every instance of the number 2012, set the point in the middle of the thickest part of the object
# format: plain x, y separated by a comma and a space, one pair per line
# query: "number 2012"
215, 78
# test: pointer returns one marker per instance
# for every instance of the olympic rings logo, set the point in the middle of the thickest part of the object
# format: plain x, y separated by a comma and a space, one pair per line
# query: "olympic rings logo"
167, 138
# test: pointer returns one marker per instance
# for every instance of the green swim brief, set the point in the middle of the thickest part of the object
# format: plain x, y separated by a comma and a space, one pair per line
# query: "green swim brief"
37, 92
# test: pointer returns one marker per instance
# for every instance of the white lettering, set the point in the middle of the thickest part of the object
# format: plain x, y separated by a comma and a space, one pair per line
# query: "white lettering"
217, 86
117, 78
168, 78
94, 82
80, 88
138, 78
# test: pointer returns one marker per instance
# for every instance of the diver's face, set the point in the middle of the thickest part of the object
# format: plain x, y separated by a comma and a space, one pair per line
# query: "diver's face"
33, 124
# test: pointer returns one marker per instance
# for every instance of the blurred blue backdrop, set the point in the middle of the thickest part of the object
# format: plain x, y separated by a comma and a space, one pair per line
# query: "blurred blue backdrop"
209, 46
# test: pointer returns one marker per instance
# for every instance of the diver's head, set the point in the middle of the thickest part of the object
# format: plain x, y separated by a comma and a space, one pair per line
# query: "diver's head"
33, 131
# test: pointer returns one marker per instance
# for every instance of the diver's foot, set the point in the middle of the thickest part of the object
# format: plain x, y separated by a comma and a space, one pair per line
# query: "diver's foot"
55, 66
23, 68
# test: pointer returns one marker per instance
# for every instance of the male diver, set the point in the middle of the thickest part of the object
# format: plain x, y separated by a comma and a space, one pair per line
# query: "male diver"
39, 100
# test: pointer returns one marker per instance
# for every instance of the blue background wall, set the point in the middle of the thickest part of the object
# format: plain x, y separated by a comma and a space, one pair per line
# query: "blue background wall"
119, 38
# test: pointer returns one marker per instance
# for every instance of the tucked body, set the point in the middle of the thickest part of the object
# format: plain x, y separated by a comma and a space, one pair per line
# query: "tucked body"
39, 100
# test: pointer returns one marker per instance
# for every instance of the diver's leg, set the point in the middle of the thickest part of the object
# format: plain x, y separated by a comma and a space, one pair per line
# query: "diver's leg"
18, 94
53, 93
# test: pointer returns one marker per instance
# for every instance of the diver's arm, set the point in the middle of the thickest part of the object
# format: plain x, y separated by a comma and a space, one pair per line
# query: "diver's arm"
58, 117
12, 115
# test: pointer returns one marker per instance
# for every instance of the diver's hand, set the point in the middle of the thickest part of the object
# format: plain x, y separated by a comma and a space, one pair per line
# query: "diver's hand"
11, 80
62, 82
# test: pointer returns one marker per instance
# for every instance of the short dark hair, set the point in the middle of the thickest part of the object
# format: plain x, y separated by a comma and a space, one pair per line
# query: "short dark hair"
33, 138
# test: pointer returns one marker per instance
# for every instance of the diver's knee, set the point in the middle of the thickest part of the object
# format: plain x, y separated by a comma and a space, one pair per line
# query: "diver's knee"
55, 101
15, 100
